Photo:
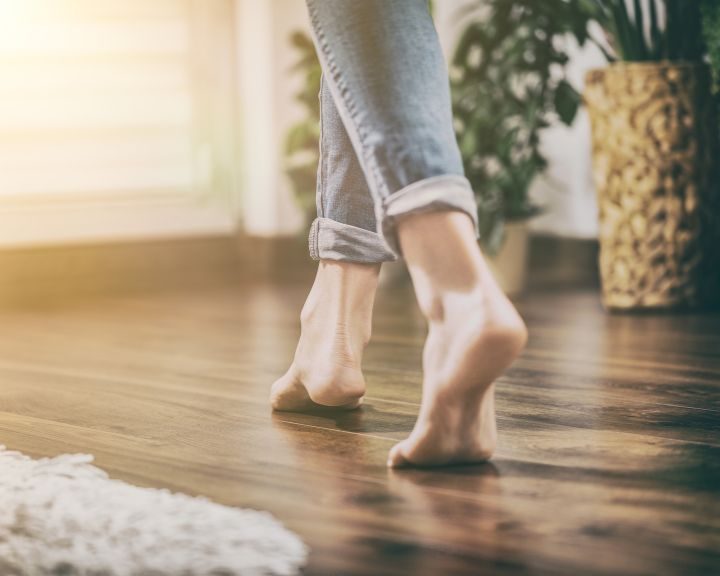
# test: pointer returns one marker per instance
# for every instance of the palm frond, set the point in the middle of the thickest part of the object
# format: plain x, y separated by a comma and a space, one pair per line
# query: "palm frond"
637, 33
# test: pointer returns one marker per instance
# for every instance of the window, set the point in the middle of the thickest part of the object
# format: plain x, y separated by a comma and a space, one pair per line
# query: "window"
117, 119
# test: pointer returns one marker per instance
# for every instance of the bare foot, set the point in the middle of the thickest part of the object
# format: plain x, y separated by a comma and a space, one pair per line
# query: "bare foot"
474, 335
335, 328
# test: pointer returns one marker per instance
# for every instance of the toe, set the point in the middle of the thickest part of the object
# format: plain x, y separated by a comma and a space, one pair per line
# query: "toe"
288, 393
397, 457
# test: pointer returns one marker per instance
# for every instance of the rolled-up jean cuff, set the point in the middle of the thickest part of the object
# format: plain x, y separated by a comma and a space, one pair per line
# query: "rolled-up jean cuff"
331, 240
438, 193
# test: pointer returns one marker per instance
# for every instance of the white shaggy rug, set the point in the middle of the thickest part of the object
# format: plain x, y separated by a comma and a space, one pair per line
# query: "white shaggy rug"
64, 517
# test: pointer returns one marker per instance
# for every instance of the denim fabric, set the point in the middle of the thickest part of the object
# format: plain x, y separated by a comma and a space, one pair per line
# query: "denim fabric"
346, 227
388, 147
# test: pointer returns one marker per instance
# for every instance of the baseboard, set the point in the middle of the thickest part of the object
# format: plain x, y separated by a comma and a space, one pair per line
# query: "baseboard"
33, 275
69, 272
563, 262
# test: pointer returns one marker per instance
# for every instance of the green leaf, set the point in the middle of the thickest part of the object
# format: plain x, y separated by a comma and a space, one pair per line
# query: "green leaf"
567, 102
623, 26
506, 90
494, 237
656, 37
638, 15
302, 139
711, 33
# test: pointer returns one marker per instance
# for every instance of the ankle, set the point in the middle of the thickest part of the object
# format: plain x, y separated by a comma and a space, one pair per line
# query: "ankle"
452, 281
483, 313
443, 259
339, 272
442, 253
341, 302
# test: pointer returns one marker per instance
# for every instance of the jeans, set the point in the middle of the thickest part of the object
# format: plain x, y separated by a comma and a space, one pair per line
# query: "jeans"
388, 147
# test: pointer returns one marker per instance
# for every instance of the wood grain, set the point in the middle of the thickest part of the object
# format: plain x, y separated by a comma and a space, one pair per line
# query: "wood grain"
609, 457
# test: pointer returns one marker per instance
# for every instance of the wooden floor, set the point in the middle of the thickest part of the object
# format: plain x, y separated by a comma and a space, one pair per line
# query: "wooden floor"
609, 457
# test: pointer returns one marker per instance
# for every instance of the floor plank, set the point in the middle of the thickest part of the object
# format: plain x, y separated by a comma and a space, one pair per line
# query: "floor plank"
609, 456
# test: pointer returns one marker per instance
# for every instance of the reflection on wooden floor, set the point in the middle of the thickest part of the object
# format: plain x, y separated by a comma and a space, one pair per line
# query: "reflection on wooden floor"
609, 457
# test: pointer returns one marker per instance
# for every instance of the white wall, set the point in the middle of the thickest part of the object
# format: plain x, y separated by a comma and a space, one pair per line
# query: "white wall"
565, 191
268, 110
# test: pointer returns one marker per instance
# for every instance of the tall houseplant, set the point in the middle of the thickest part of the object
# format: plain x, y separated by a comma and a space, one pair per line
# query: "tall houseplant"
302, 142
509, 83
654, 151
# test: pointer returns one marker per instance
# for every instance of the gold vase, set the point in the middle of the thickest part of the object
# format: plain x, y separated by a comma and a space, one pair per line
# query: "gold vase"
654, 139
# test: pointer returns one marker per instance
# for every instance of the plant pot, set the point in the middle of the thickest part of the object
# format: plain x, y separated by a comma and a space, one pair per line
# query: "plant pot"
654, 143
509, 265
394, 273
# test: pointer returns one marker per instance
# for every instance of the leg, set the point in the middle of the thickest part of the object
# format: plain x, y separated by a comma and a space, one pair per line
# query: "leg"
387, 76
474, 334
336, 318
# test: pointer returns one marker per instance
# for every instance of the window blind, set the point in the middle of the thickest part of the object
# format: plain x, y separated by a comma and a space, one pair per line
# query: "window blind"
96, 97
117, 120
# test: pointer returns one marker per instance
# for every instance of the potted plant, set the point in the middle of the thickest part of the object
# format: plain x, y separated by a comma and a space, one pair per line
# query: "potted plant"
302, 150
654, 153
509, 83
